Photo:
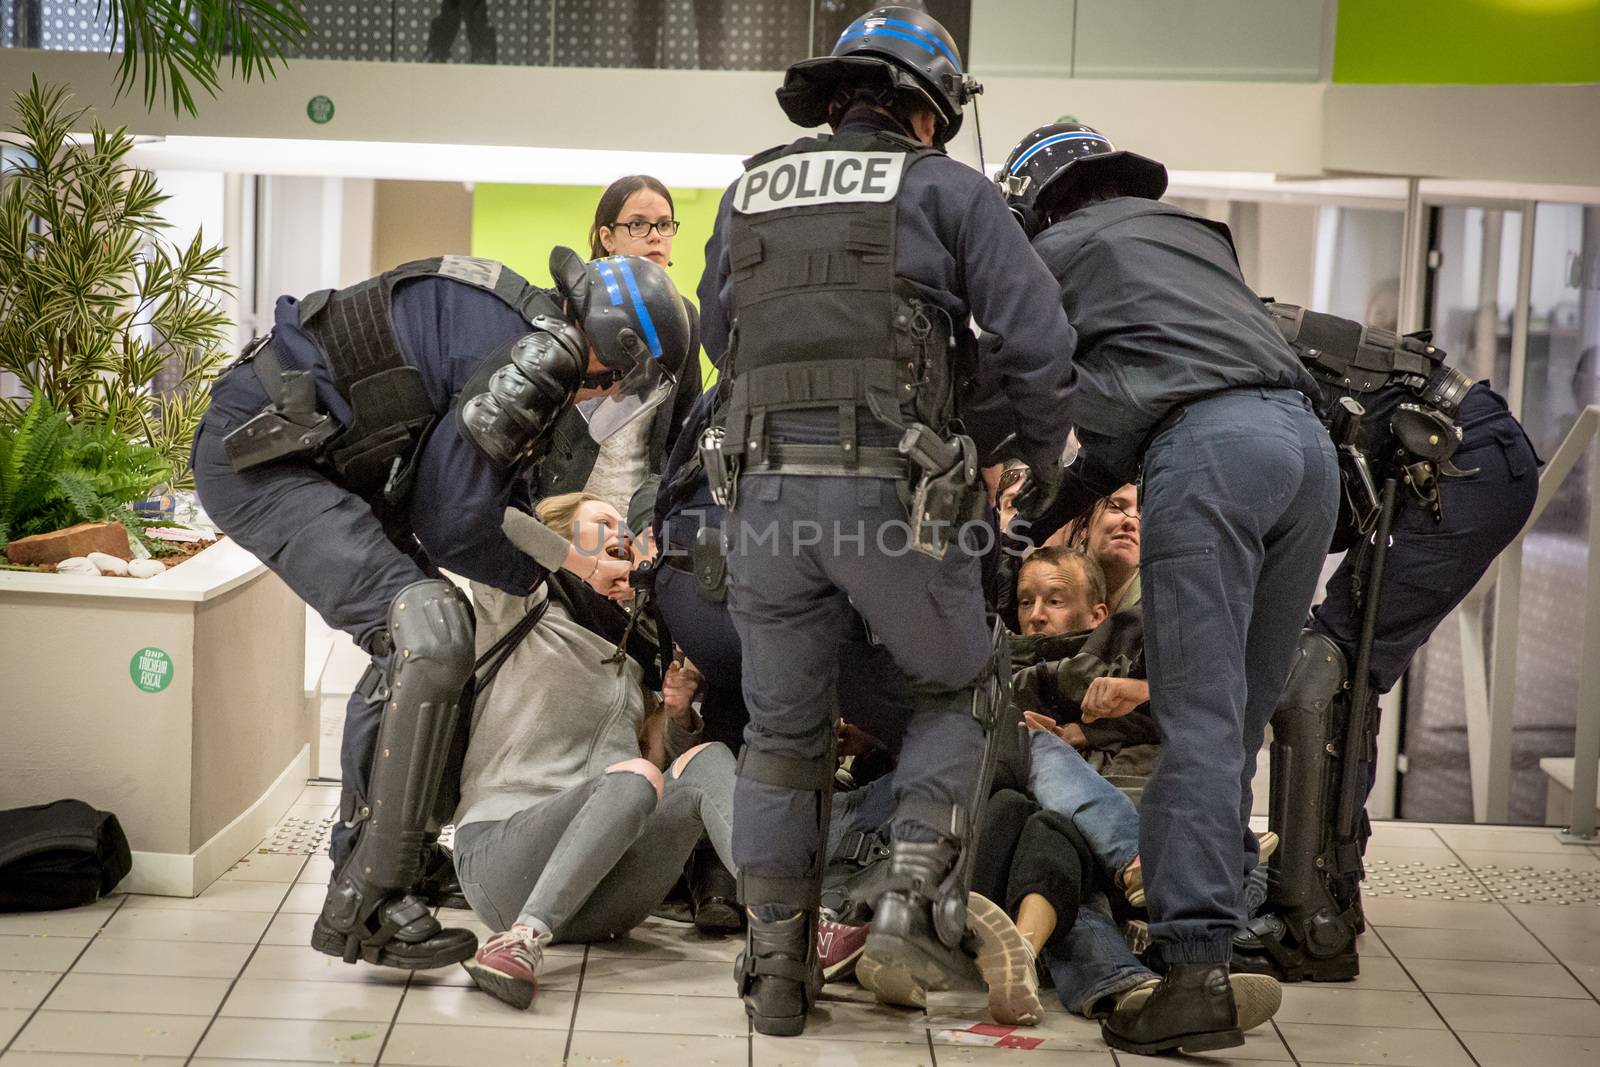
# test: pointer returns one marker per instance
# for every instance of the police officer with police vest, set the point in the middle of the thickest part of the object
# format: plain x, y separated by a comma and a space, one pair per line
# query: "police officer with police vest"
840, 280
1184, 384
375, 436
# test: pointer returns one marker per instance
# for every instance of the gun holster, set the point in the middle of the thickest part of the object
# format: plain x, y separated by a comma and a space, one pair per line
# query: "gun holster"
289, 426
946, 493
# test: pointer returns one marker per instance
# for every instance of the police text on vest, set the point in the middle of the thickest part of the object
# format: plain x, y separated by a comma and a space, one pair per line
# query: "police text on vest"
814, 178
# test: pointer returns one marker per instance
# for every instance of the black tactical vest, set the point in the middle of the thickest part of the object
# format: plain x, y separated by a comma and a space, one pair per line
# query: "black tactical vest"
390, 409
822, 320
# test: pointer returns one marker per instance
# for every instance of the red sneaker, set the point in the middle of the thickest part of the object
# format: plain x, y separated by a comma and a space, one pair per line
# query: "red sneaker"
839, 946
507, 966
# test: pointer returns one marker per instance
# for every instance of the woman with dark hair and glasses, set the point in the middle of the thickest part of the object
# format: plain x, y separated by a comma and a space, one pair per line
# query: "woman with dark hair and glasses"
635, 217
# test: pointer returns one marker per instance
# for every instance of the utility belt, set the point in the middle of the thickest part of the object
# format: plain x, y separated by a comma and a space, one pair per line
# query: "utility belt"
938, 475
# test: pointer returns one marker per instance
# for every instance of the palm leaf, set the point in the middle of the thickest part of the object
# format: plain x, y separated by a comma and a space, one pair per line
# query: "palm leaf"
170, 45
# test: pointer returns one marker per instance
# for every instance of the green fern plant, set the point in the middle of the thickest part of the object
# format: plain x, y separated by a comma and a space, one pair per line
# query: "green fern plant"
55, 474
94, 301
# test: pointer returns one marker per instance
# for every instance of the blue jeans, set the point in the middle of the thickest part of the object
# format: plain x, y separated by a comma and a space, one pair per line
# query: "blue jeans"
1095, 962
1239, 499
1062, 782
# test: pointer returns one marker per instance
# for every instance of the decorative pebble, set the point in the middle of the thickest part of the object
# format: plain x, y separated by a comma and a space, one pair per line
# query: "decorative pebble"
146, 568
77, 565
108, 564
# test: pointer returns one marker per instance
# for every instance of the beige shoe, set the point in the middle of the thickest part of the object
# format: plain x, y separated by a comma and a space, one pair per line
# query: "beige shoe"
1266, 844
1007, 962
1256, 997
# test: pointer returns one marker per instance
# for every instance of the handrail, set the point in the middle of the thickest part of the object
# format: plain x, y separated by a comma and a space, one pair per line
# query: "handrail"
1490, 689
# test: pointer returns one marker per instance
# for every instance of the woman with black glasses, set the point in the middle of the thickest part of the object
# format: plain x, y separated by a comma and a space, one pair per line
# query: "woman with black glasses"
635, 217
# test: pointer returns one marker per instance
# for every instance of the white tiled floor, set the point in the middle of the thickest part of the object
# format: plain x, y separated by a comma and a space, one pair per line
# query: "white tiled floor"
1454, 972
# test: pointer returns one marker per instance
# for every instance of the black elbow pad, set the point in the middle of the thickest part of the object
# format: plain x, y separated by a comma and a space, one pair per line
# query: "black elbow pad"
519, 390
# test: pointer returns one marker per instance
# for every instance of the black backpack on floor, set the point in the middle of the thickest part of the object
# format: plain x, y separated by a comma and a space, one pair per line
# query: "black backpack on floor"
59, 855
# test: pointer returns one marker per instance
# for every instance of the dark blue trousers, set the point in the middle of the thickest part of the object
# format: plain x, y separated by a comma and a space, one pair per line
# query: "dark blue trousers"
1239, 500
324, 541
804, 552
1433, 566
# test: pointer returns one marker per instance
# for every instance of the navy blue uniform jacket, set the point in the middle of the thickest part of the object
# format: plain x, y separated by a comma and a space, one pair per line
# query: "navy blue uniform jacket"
445, 329
1163, 317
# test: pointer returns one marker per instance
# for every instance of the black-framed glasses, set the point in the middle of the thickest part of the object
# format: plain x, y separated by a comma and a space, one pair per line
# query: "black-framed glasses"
639, 228
1009, 477
1115, 506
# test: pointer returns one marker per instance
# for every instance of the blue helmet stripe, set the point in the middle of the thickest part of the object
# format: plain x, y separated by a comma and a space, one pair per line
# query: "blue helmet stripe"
923, 31
645, 322
884, 31
1056, 139
609, 277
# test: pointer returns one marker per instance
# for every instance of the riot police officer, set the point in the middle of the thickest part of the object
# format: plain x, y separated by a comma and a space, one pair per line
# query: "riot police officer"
1185, 385
844, 269
1465, 478
375, 436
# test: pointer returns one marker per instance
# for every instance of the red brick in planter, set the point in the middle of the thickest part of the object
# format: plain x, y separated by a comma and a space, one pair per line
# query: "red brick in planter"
80, 540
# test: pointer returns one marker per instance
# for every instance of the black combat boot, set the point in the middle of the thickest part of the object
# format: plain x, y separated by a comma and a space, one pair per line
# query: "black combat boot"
1267, 946
906, 958
440, 888
1192, 1010
779, 974
715, 893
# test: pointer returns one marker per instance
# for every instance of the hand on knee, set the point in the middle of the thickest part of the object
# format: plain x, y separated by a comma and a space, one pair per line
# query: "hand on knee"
644, 769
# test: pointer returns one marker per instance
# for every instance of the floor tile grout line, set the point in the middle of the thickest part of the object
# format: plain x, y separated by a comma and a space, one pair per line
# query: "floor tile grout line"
1529, 931
1284, 1039
233, 984
34, 1014
1426, 996
395, 1018
577, 994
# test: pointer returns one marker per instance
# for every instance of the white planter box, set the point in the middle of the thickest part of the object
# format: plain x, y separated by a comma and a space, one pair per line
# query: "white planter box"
198, 757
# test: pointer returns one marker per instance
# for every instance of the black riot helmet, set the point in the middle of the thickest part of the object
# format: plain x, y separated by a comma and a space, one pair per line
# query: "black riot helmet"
637, 324
1065, 157
894, 48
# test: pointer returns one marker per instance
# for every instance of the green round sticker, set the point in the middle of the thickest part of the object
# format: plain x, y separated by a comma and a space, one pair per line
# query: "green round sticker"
320, 110
151, 669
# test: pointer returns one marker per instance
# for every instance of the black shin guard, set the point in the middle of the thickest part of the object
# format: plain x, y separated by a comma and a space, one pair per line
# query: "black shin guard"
370, 913
1307, 929
779, 973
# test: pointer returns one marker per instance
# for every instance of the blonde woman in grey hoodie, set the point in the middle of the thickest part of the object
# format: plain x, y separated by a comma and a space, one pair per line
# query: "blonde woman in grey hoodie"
565, 830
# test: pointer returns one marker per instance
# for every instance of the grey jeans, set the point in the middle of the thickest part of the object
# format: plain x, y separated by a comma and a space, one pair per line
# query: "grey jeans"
589, 863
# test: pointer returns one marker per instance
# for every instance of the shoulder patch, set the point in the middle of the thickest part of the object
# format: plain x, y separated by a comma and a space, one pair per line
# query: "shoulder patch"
484, 273
808, 179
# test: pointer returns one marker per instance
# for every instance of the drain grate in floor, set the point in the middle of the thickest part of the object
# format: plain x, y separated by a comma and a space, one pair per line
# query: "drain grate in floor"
1485, 883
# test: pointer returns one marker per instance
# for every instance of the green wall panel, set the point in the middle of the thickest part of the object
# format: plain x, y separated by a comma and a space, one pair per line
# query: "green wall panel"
519, 224
1460, 42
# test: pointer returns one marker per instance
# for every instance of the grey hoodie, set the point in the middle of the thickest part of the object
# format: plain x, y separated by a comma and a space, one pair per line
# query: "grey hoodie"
553, 717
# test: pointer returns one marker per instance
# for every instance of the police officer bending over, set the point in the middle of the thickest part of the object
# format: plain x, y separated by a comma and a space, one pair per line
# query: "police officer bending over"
846, 267
376, 436
1184, 382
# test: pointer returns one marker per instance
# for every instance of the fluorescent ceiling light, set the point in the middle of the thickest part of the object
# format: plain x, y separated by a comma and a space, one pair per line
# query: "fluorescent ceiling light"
434, 162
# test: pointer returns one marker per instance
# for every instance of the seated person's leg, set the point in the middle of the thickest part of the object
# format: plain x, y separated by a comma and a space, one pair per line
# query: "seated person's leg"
1062, 782
527, 875
697, 800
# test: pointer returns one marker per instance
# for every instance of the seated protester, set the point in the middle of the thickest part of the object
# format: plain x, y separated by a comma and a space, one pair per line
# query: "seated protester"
1079, 671
1110, 534
564, 830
